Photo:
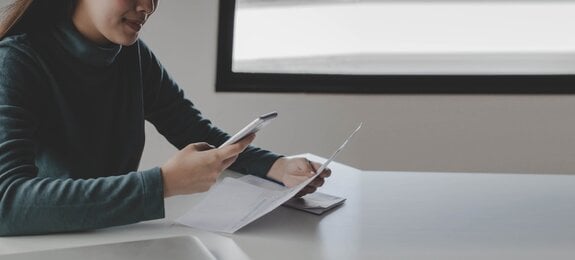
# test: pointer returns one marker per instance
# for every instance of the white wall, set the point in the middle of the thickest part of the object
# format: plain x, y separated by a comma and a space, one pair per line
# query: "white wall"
478, 133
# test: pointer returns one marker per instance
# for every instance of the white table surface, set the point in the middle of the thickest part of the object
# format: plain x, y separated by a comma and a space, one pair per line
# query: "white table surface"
387, 215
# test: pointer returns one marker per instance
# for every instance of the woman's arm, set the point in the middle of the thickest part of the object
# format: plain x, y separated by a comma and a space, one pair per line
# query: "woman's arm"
30, 204
176, 118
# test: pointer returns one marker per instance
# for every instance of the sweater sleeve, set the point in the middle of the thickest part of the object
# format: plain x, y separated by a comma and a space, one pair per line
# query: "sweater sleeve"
31, 204
176, 118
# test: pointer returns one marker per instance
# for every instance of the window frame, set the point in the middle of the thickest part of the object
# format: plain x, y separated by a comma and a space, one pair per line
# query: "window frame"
229, 81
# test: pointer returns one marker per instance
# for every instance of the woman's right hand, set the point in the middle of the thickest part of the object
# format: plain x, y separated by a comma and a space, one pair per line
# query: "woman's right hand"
197, 167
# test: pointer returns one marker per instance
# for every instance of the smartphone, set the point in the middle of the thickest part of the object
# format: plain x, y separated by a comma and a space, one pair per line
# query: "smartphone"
252, 127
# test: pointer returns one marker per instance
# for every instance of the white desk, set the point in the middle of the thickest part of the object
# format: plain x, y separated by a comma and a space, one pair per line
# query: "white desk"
387, 215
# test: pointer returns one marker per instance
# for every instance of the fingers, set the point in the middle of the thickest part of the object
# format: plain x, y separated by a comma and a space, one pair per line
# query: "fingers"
228, 162
232, 150
229, 153
325, 173
202, 146
317, 182
313, 166
311, 187
306, 190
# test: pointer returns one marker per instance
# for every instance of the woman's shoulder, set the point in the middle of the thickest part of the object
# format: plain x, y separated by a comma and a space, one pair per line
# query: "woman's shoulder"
19, 61
16, 42
16, 46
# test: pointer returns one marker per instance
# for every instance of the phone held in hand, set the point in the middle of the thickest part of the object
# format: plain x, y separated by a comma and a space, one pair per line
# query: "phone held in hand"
252, 127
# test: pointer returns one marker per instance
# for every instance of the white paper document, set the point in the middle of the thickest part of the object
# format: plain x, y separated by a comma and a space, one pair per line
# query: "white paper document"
233, 203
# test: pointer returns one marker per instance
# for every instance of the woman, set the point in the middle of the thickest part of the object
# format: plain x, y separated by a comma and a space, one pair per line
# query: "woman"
76, 85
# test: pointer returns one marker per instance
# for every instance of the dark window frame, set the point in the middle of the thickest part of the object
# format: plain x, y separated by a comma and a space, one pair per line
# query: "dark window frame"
229, 81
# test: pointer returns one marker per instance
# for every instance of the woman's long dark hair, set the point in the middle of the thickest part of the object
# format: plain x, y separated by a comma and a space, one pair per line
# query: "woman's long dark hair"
24, 16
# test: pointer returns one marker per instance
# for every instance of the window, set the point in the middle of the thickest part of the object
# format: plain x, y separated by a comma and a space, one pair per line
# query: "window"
371, 46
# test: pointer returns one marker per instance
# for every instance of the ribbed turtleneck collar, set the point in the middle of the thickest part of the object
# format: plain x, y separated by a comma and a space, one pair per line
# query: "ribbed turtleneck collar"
84, 49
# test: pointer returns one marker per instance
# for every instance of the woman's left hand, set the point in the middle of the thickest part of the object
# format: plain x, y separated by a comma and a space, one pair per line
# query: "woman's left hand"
293, 171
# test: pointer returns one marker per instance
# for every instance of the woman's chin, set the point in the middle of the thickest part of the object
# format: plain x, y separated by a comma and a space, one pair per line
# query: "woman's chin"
125, 40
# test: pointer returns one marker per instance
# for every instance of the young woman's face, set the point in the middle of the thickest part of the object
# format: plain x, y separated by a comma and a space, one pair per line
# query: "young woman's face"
112, 21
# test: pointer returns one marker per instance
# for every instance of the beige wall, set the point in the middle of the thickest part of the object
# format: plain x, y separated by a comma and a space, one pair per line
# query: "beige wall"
478, 133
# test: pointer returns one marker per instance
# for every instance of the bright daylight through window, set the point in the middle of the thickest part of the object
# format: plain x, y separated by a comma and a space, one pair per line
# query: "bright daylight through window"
382, 37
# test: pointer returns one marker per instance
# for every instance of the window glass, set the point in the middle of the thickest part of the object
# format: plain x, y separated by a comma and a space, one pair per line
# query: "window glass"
404, 37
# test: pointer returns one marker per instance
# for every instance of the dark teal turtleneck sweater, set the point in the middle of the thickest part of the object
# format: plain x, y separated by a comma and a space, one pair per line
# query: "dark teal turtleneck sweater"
72, 133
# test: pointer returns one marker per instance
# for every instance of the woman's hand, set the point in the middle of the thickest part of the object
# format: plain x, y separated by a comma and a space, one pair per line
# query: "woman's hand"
293, 171
197, 167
